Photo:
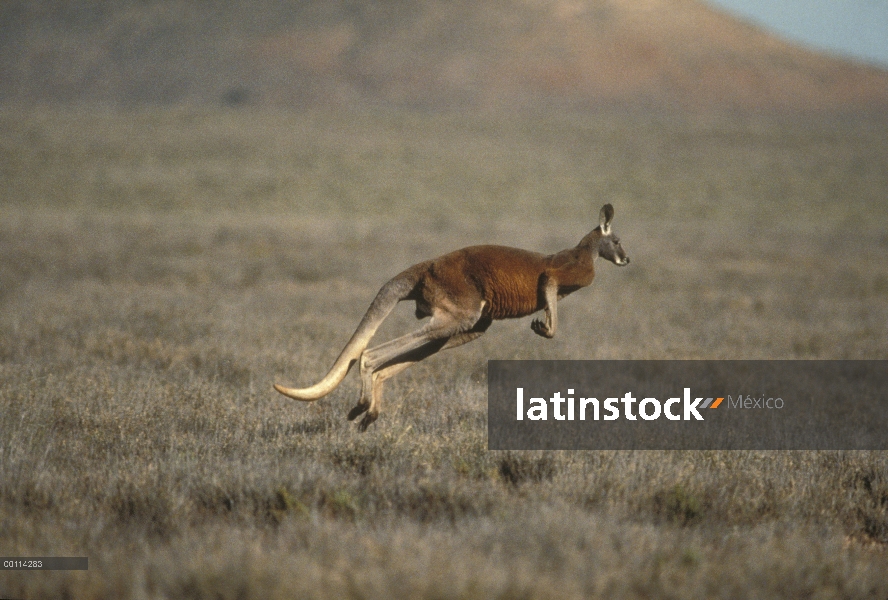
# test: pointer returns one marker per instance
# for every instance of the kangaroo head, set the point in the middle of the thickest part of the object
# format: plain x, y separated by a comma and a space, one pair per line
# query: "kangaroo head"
609, 246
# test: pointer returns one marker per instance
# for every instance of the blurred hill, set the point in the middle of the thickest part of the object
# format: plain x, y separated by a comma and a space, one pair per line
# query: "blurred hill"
478, 54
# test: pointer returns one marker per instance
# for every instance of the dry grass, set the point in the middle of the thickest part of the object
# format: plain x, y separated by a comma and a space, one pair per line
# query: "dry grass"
161, 269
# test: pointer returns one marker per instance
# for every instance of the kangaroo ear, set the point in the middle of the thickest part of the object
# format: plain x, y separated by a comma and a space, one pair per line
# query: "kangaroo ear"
605, 217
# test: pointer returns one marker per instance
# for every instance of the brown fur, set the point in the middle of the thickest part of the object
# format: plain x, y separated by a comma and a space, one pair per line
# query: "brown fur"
464, 292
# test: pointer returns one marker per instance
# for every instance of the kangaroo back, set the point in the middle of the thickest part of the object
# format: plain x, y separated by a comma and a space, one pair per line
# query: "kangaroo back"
506, 278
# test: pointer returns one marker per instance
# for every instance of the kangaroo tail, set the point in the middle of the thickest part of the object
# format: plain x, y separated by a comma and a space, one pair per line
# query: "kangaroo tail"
388, 297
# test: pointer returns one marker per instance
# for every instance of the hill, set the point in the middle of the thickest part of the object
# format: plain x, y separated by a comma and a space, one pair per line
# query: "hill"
483, 54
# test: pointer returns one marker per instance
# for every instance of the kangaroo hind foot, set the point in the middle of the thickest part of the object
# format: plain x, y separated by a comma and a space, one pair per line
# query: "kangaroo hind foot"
387, 360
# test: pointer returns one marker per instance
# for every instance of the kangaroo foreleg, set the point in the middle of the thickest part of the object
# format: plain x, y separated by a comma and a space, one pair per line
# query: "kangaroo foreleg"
549, 290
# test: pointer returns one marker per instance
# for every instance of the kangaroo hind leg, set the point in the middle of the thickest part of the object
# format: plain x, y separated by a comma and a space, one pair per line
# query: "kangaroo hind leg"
371, 395
410, 348
387, 360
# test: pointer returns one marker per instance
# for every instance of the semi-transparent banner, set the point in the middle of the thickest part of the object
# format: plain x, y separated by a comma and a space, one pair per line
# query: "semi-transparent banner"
688, 404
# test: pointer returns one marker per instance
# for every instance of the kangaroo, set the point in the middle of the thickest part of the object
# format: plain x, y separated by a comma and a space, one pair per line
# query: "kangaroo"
463, 292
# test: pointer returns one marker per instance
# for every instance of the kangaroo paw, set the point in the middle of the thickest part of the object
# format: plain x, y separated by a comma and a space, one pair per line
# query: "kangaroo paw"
539, 328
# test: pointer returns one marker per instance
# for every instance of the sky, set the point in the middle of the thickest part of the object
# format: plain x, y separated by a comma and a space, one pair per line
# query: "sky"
853, 28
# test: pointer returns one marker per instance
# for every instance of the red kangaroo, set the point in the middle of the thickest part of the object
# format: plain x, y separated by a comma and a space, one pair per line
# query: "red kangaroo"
463, 292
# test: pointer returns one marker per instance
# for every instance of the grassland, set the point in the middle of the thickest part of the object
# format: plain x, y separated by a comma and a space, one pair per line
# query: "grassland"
159, 270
